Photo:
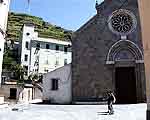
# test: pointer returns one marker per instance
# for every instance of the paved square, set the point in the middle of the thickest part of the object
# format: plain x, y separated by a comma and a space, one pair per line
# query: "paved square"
72, 112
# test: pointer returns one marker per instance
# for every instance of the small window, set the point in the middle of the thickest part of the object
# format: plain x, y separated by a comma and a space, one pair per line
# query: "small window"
54, 84
47, 46
36, 70
45, 70
65, 62
27, 45
57, 62
38, 45
46, 62
27, 34
26, 69
65, 49
4, 78
57, 47
26, 57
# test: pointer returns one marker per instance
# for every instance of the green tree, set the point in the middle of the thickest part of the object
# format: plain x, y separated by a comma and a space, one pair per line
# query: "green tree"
33, 77
18, 72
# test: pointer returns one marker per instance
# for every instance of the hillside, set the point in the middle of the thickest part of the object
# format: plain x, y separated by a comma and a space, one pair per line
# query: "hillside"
45, 29
15, 24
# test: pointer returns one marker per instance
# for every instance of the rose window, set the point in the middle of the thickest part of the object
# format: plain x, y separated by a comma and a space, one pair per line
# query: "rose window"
122, 22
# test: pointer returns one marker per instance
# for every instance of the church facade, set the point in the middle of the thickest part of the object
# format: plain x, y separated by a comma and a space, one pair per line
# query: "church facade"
107, 54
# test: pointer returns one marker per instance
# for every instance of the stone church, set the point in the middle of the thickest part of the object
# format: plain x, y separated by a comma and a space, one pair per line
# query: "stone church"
108, 54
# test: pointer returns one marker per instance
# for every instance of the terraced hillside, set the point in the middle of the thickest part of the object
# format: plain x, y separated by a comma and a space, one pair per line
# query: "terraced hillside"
15, 24
45, 29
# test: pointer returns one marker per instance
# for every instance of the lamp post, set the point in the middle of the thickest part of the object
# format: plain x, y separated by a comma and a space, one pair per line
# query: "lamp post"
144, 8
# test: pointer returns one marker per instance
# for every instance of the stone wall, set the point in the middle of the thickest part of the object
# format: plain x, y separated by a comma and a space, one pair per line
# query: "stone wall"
91, 76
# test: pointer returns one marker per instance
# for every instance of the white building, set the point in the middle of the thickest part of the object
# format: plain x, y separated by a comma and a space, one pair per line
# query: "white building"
42, 55
57, 85
29, 94
12, 92
4, 8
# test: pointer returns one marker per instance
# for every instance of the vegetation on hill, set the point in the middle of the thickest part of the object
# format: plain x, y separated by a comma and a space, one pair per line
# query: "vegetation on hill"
45, 29
11, 61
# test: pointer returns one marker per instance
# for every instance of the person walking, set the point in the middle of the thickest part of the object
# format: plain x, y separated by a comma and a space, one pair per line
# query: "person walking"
111, 99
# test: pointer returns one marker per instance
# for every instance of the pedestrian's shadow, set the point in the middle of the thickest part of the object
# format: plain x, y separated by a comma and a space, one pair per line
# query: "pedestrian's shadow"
103, 113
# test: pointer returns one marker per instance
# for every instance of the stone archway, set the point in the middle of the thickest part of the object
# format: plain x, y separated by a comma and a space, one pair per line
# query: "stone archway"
125, 56
122, 46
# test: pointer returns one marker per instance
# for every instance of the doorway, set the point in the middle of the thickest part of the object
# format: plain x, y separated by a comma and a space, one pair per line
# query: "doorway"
13, 93
125, 80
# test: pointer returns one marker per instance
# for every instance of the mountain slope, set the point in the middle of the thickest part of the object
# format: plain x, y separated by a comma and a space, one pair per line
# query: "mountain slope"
45, 29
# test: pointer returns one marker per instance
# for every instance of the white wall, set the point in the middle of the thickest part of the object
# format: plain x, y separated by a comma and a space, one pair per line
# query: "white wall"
48, 54
30, 93
4, 8
5, 89
37, 93
63, 94
2, 40
26, 95
52, 56
1, 100
27, 38
44, 54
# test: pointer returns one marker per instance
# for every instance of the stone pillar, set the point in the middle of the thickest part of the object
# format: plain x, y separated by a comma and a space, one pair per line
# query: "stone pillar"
144, 8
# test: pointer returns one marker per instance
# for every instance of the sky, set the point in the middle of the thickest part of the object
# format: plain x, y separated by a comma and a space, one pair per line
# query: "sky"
69, 14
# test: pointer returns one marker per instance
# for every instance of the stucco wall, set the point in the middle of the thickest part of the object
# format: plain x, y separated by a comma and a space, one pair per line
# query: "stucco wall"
63, 94
26, 95
43, 54
48, 57
37, 93
6, 91
4, 8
